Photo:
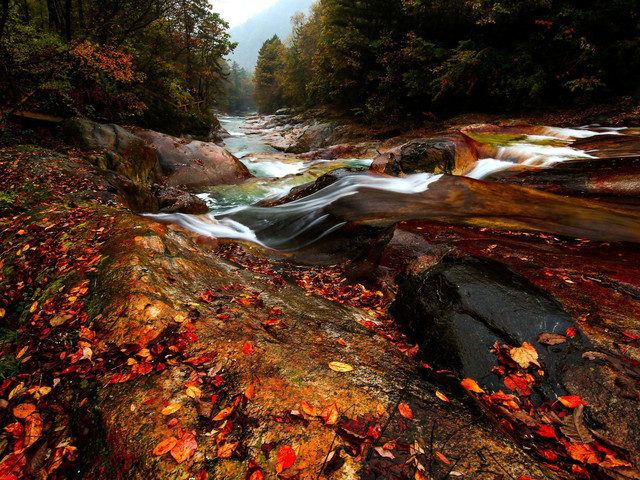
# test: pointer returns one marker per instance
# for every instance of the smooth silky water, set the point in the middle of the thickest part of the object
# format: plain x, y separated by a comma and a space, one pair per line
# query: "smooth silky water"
298, 224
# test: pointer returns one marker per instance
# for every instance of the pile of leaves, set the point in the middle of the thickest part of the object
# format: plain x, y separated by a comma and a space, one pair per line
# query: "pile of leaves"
554, 431
331, 283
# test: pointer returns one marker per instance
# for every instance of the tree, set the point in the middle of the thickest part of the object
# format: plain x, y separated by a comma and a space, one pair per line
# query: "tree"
268, 75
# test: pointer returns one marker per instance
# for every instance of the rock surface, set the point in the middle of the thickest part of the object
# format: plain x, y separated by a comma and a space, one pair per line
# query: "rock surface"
192, 163
124, 152
454, 154
173, 200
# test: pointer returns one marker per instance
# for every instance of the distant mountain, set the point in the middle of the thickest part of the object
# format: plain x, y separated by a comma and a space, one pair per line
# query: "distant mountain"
275, 20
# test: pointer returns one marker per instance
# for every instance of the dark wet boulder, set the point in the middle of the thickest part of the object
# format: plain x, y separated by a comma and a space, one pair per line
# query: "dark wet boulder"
457, 310
448, 154
192, 163
174, 200
120, 150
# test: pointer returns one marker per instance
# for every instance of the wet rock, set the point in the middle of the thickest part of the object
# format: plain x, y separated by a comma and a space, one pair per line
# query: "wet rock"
615, 179
193, 163
451, 154
174, 200
123, 152
345, 150
459, 308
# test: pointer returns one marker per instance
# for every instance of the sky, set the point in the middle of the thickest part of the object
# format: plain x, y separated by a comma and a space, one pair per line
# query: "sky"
236, 12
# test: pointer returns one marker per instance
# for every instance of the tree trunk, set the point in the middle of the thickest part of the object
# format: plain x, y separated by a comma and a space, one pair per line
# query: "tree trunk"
68, 6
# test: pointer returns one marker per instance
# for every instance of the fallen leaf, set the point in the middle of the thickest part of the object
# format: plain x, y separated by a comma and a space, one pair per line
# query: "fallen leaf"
34, 306
572, 331
173, 408
24, 410
571, 401
194, 392
472, 386
583, 453
257, 475
574, 428
227, 448
15, 390
250, 392
524, 355
405, 411
340, 367
442, 396
551, 339
32, 429
224, 413
443, 458
22, 351
308, 409
185, 448
165, 446
179, 318
285, 458
248, 348
380, 410
330, 414
384, 453
138, 238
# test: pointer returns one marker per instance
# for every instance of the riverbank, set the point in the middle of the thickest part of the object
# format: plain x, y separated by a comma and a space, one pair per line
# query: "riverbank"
466, 343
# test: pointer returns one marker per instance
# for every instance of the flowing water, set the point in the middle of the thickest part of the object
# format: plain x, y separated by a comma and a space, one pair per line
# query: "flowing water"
379, 200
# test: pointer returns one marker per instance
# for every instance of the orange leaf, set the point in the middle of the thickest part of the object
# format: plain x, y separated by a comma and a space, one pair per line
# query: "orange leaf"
194, 392
165, 446
340, 367
524, 355
138, 238
583, 453
330, 414
405, 411
285, 458
226, 449
380, 410
443, 458
173, 408
248, 348
250, 392
441, 396
308, 409
185, 448
257, 475
571, 401
24, 410
33, 429
224, 413
472, 386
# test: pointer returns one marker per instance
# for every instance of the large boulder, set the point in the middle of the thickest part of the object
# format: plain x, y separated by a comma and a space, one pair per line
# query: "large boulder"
192, 163
458, 309
121, 151
174, 200
454, 154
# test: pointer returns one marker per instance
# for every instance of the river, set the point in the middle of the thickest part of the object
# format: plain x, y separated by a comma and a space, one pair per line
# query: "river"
382, 200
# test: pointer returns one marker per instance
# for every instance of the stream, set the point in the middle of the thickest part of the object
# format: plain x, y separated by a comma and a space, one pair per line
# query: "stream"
377, 200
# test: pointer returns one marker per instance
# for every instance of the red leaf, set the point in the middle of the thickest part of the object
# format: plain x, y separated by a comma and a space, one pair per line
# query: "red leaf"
248, 348
571, 401
185, 448
572, 331
546, 431
405, 411
285, 458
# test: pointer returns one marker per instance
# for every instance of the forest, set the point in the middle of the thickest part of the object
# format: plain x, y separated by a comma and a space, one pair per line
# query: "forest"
377, 59
157, 63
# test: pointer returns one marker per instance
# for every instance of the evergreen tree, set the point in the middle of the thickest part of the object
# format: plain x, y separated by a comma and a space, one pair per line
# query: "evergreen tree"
268, 75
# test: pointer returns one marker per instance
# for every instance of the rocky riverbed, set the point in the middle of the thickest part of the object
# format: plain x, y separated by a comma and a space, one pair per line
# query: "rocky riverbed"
482, 326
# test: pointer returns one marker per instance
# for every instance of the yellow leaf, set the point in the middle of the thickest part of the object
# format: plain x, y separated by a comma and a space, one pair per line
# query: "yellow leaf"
472, 386
34, 305
22, 352
179, 318
194, 392
442, 396
524, 355
308, 409
17, 388
173, 408
340, 367
2, 312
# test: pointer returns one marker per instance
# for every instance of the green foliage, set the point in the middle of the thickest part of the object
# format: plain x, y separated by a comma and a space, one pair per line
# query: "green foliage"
105, 59
238, 91
385, 60
268, 85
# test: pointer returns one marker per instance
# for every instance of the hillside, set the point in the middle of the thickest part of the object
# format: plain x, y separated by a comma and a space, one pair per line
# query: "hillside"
251, 34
